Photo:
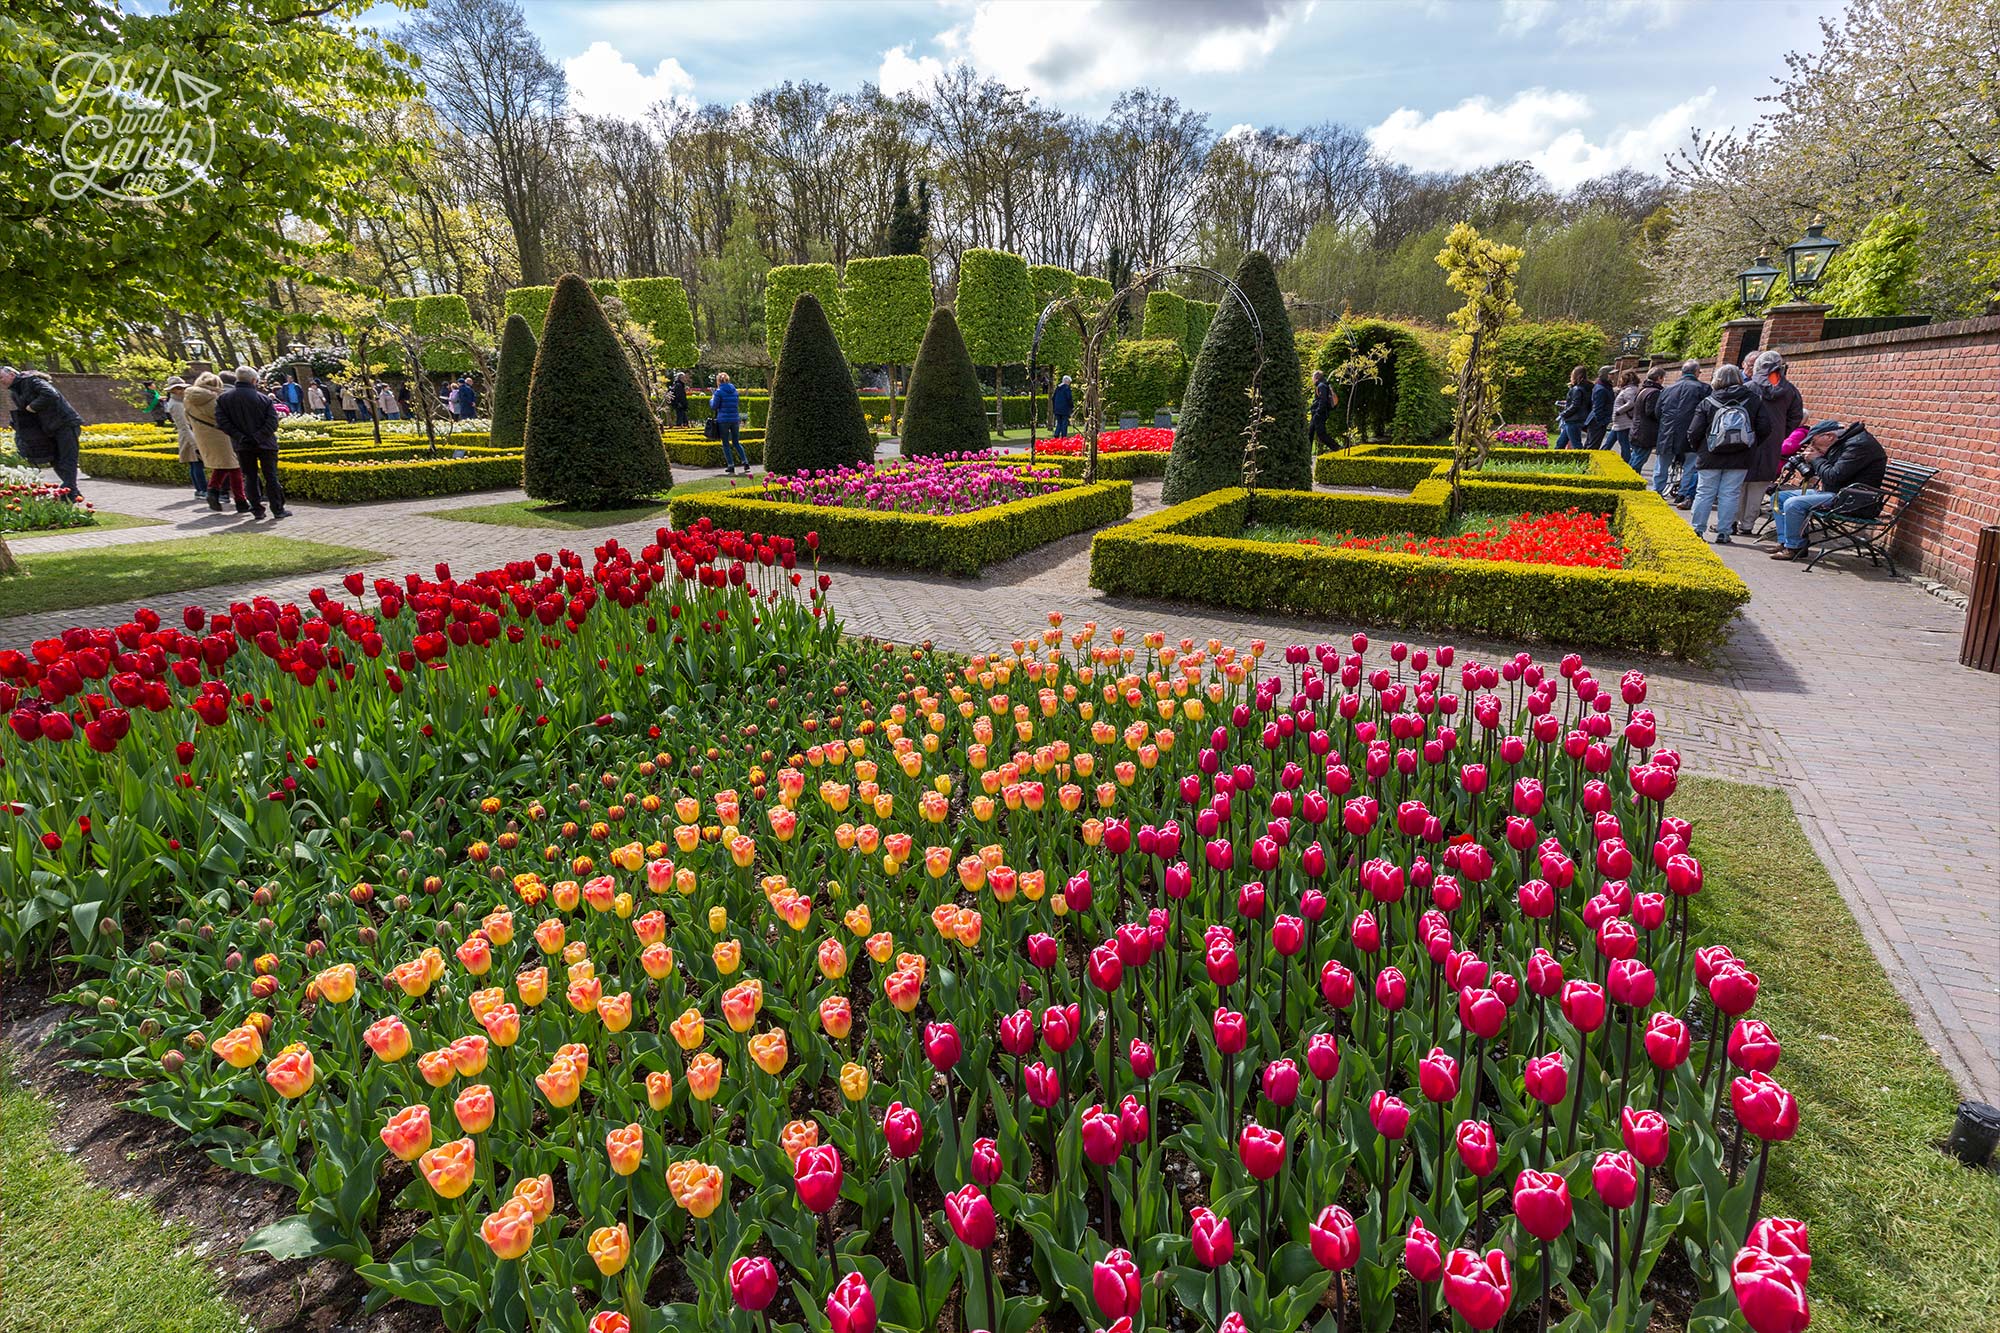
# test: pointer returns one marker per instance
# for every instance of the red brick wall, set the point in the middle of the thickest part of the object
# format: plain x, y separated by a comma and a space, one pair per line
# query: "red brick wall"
1932, 396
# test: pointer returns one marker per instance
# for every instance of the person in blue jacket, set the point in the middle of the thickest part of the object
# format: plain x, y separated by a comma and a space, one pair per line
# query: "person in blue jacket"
1602, 398
1061, 403
1575, 407
728, 417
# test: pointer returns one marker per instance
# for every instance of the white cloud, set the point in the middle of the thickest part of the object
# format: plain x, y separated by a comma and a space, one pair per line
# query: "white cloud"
901, 73
1545, 127
1518, 17
602, 82
1606, 22
1085, 49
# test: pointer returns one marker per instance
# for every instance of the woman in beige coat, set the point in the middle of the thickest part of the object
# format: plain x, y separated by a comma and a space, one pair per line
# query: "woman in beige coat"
218, 455
176, 410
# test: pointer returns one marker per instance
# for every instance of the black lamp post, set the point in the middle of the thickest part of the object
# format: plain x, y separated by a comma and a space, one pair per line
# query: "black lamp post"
1806, 258
1632, 343
1755, 284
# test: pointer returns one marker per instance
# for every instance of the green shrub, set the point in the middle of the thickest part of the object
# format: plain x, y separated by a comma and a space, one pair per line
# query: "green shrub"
886, 303
1166, 317
1110, 467
1310, 342
698, 451
337, 476
660, 305
1533, 362
1142, 375
510, 382
1208, 450
1061, 351
428, 317
782, 286
960, 544
944, 412
996, 307
1403, 466
591, 439
1674, 596
1200, 314
531, 304
1407, 405
816, 419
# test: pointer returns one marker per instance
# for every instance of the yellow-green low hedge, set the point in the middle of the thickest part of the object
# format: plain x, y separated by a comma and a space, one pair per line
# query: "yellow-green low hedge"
335, 476
1399, 467
1110, 467
687, 446
1674, 596
946, 543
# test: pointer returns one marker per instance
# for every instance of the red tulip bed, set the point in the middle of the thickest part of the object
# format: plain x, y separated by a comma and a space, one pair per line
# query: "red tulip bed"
1131, 440
605, 942
1569, 537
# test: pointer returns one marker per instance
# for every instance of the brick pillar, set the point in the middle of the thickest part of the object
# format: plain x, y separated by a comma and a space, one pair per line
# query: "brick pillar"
1792, 324
1734, 334
1626, 361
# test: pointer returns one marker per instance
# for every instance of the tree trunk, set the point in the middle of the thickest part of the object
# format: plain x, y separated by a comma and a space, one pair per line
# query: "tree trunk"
892, 400
999, 402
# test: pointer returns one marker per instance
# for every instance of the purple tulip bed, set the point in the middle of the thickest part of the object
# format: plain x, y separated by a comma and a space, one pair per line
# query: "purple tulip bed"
953, 484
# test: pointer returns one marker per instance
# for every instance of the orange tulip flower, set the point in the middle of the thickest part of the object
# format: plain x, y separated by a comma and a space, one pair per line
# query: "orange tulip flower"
474, 1109
689, 1029
549, 936
539, 1193
408, 1133
436, 1067
240, 1047
476, 954
510, 1231
798, 1136
449, 1168
561, 1083
615, 1011
336, 983
704, 1076
740, 1004
499, 928
659, 1090
625, 1146
770, 1051
291, 1073
836, 1015
584, 993
388, 1038
468, 1055
609, 1248
651, 928
503, 1025
532, 986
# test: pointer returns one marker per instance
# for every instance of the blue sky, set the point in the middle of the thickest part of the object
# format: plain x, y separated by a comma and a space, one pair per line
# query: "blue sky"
1578, 88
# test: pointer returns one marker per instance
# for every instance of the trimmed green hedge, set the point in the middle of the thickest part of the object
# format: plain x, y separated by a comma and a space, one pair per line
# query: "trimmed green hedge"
335, 476
886, 302
946, 543
996, 307
1674, 596
1533, 362
661, 306
1110, 467
1143, 375
700, 452
1403, 466
1061, 352
1166, 317
782, 286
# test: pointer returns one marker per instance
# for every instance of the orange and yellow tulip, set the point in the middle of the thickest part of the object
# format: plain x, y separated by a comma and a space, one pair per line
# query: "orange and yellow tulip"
609, 1248
625, 1147
408, 1134
704, 1076
291, 1073
770, 1051
510, 1231
449, 1168
474, 1109
240, 1047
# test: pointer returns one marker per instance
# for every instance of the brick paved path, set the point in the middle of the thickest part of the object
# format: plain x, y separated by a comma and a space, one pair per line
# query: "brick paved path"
1841, 686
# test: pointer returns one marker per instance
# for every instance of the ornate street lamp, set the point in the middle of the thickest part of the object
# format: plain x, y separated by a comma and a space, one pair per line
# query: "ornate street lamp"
196, 349
1806, 258
1632, 343
1755, 284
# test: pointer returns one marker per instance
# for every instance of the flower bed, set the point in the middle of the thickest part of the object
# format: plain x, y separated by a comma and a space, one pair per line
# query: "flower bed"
1571, 537
36, 506
950, 543
1402, 466
1522, 437
1672, 596
948, 485
618, 944
1131, 440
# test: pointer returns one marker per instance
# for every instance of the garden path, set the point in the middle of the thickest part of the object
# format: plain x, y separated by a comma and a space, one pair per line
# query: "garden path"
1841, 686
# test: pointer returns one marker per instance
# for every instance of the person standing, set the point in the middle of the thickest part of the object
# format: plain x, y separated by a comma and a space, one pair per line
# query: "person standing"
1322, 408
47, 430
1725, 429
677, 397
722, 405
156, 406
218, 455
464, 399
1645, 421
250, 417
1785, 412
385, 401
292, 395
1620, 436
1575, 407
404, 412
1061, 403
1677, 404
176, 410
1599, 420
316, 401
350, 406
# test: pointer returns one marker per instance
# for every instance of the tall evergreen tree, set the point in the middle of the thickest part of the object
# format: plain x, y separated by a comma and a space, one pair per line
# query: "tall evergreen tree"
908, 223
591, 439
945, 412
510, 383
816, 419
1215, 414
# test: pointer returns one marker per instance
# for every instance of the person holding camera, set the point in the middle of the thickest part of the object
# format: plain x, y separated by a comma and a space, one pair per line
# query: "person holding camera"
1846, 478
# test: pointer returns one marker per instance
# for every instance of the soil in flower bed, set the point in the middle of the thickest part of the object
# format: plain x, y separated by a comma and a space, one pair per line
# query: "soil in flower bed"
1572, 538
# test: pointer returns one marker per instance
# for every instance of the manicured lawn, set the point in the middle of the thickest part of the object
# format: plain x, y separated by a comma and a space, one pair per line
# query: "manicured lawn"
79, 1259
1903, 1237
536, 514
63, 579
105, 523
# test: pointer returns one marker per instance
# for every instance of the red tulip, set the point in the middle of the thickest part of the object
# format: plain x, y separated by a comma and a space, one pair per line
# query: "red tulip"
1336, 1241
1667, 1041
1583, 1005
1336, 984
1683, 875
817, 1173
1281, 1082
1060, 1025
1545, 974
1764, 1108
1365, 933
1042, 950
1214, 1240
971, 1216
1114, 1285
1437, 1076
851, 1306
1708, 960
1250, 900
1615, 1177
987, 1165
1135, 1122
941, 1046
904, 1130
1772, 1297
1043, 1084
1221, 962
1392, 991
1784, 1239
1288, 935
753, 1282
1482, 1012
1753, 1046
1733, 989
1478, 1289
1105, 970
1323, 1056
1017, 1033
1541, 1201
1102, 1141
1645, 1135
1232, 1033
1631, 983
1388, 1114
1141, 1056
1262, 1150
1078, 892
1477, 1147
1422, 1255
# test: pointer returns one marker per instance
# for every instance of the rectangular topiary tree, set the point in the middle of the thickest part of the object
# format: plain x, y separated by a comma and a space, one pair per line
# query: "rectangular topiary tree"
1143, 375
996, 310
782, 286
1166, 316
1061, 352
887, 302
531, 304
660, 305
1200, 314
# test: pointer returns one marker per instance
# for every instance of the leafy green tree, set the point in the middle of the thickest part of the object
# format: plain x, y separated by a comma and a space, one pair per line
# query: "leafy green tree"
510, 383
1166, 316
1532, 363
1484, 272
816, 419
946, 413
660, 306
1217, 412
1877, 275
909, 222
887, 303
995, 310
271, 162
591, 438
732, 284
782, 286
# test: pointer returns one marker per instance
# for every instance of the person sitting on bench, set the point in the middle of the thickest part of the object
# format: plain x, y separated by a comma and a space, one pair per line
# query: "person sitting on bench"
1852, 458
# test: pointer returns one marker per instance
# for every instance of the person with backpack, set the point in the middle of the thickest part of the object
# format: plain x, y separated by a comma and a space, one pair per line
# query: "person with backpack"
1061, 403
1599, 421
1846, 479
725, 409
1575, 407
1724, 430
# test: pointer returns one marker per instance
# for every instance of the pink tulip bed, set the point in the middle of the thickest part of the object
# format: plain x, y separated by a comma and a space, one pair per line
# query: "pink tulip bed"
953, 485
608, 943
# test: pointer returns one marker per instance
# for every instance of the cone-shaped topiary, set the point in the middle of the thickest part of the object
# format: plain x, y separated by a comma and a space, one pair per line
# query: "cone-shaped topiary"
1208, 450
591, 439
945, 412
816, 419
510, 383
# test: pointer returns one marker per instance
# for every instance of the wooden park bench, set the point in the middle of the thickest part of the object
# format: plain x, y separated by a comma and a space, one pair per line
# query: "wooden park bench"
1902, 483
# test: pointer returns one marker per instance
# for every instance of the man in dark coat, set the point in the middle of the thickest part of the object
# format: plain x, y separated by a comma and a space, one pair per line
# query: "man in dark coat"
1677, 404
1720, 456
1322, 408
1602, 396
1854, 458
1784, 412
1061, 402
250, 419
47, 429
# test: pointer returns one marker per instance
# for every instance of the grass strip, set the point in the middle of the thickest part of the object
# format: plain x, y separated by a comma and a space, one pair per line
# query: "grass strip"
537, 514
107, 575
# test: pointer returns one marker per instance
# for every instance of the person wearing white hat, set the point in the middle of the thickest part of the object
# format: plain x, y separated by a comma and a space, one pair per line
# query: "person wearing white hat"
176, 410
